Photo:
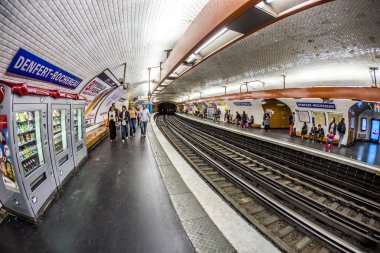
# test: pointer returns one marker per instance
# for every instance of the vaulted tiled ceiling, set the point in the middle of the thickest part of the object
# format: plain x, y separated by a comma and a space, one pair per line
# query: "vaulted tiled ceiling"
332, 44
85, 37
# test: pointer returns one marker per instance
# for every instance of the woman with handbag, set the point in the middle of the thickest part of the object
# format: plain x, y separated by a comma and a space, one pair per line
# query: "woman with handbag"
112, 121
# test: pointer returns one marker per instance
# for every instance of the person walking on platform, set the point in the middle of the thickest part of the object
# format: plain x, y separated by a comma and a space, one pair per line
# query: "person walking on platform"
112, 121
205, 113
144, 117
138, 117
341, 130
132, 121
124, 118
332, 126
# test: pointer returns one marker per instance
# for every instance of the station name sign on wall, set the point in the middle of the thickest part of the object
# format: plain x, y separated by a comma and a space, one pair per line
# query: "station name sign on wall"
242, 103
27, 64
316, 105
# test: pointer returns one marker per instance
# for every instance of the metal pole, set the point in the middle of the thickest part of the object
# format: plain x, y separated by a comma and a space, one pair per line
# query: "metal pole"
200, 94
284, 76
160, 69
149, 82
225, 90
125, 75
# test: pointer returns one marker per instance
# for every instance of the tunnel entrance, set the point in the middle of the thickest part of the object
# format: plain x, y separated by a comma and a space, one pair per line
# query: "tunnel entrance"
166, 108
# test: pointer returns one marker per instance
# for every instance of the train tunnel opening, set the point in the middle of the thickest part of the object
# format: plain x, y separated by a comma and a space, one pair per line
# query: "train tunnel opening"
166, 108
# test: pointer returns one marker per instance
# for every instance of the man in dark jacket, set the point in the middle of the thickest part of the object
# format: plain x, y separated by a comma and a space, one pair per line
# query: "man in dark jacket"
341, 130
124, 119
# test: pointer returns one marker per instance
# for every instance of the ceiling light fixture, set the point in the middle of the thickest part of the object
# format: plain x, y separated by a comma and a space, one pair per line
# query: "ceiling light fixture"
217, 35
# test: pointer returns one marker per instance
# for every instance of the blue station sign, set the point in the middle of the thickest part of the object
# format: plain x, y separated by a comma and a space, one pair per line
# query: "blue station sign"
27, 64
316, 105
242, 103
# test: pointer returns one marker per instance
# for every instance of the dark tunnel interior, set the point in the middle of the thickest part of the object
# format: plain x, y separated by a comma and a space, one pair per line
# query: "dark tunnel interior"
166, 108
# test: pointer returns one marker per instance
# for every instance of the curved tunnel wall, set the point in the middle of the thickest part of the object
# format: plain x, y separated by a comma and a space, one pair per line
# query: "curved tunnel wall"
166, 108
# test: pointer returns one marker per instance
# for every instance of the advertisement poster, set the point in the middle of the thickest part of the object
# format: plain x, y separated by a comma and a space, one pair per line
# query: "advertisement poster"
375, 128
102, 112
319, 118
95, 92
6, 161
303, 116
338, 117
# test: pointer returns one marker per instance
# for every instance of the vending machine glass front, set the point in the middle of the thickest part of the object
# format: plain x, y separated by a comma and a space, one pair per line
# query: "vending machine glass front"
30, 140
78, 129
59, 130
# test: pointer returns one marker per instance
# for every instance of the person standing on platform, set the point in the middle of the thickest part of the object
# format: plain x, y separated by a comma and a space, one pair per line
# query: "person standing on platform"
341, 130
112, 121
266, 122
205, 113
332, 126
124, 118
291, 123
237, 119
144, 117
132, 121
244, 120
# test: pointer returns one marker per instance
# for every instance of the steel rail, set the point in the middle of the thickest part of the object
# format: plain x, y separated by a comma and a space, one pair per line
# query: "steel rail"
294, 217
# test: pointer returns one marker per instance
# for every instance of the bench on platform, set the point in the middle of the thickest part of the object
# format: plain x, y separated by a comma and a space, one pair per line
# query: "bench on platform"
324, 139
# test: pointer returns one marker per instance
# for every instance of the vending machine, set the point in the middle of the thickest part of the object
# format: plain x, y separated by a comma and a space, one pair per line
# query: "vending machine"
60, 141
28, 179
79, 131
35, 146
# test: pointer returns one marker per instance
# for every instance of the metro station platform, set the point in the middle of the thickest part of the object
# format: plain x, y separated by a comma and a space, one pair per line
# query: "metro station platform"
130, 197
363, 152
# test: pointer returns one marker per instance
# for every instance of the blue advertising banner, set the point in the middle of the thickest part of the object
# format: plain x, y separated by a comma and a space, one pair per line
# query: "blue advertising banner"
242, 103
375, 130
27, 64
316, 105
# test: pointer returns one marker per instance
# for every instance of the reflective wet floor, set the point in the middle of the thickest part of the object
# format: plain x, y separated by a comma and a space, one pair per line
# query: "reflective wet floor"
116, 203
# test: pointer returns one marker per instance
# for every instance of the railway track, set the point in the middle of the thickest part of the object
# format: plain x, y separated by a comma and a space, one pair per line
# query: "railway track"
296, 215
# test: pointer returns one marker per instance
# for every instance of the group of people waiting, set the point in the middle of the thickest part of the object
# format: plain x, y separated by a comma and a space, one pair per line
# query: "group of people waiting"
121, 120
242, 120
317, 133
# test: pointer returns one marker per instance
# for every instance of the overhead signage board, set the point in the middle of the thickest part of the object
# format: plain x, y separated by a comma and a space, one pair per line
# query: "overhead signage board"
242, 103
316, 105
107, 77
29, 65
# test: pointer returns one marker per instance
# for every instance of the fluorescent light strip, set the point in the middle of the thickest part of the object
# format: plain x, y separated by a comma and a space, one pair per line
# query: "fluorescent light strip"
211, 40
